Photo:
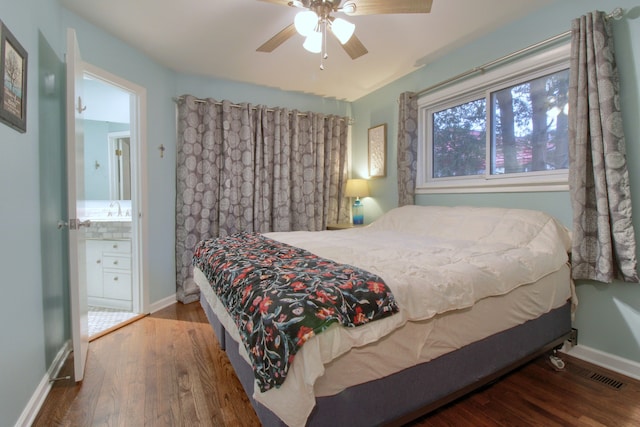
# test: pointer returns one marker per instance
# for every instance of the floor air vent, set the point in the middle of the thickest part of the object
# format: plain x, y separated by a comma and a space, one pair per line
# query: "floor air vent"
594, 376
607, 381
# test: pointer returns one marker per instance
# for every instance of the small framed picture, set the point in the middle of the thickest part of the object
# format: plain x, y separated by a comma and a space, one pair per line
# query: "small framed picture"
13, 69
378, 151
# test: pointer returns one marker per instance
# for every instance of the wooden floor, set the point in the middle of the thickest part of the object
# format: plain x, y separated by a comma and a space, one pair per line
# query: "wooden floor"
168, 370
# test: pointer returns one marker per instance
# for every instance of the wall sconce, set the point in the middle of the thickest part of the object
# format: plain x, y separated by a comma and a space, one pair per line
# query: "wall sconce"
357, 188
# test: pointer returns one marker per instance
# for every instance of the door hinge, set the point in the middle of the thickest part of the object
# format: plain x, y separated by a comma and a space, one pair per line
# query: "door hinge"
80, 108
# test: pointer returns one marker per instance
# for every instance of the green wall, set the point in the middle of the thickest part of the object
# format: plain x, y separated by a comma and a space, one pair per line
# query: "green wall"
163, 85
34, 314
96, 149
52, 162
27, 345
608, 316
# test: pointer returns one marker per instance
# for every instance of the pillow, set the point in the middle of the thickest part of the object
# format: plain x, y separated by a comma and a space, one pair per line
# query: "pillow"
515, 227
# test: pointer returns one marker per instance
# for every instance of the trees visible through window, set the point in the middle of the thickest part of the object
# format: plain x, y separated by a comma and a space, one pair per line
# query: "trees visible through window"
507, 131
530, 125
459, 135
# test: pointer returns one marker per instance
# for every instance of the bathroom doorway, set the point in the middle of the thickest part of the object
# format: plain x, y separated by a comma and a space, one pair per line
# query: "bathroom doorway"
114, 149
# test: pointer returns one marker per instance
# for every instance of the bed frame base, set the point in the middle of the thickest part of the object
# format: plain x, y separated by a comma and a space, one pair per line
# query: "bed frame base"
476, 385
416, 391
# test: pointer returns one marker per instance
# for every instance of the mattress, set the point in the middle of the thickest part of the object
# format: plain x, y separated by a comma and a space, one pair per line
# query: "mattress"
413, 392
422, 341
412, 343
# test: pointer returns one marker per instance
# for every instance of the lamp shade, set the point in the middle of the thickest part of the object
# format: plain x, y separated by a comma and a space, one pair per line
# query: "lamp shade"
306, 22
342, 29
313, 42
357, 188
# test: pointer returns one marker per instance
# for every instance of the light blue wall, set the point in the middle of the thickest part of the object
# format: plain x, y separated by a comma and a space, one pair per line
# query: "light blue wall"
22, 359
29, 345
96, 150
238, 92
608, 317
53, 197
112, 55
99, 48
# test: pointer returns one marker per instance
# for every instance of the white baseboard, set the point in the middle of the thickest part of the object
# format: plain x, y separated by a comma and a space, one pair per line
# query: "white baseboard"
609, 361
37, 399
165, 302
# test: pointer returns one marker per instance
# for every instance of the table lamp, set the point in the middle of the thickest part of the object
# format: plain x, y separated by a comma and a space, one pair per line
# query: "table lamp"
357, 188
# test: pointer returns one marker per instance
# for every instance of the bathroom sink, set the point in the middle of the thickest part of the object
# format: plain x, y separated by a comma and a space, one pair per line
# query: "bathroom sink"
109, 219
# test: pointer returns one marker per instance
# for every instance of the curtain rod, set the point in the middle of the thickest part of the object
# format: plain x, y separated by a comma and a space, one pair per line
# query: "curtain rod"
616, 14
350, 121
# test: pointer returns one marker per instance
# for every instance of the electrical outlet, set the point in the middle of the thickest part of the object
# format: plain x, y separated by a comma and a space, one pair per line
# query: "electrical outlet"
573, 337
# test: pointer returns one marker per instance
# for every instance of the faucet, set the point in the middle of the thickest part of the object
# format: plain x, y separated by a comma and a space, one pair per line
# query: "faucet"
114, 203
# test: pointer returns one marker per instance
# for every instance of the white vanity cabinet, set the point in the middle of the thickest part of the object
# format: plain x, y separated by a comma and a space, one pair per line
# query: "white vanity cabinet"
109, 273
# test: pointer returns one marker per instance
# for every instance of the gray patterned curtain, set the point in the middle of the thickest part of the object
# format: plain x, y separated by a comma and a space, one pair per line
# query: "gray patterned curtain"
604, 246
407, 148
249, 168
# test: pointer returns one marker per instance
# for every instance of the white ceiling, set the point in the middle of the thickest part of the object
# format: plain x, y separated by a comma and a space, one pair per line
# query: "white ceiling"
219, 38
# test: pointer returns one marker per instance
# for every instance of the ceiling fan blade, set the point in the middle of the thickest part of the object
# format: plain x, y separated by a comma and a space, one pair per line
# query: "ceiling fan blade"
280, 2
354, 47
278, 39
293, 3
379, 7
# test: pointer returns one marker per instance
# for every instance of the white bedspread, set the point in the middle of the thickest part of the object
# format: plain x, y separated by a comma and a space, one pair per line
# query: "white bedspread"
434, 259
437, 259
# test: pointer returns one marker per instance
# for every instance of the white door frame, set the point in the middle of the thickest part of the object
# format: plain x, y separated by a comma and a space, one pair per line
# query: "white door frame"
138, 135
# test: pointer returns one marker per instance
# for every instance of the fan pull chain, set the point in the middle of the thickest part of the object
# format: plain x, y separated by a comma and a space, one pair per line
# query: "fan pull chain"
324, 40
323, 54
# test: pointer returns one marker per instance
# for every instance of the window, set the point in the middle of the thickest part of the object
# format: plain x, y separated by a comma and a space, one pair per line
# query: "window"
506, 130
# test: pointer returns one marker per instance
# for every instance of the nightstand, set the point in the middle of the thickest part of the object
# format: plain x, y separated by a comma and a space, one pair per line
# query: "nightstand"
342, 226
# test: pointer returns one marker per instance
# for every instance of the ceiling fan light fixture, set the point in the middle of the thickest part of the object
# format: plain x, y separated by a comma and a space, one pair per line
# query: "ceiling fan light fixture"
306, 22
313, 43
348, 8
342, 29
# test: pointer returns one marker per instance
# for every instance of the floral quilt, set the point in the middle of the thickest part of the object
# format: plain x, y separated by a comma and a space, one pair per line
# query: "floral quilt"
280, 296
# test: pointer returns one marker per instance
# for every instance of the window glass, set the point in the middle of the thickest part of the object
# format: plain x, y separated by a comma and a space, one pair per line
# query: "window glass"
530, 126
503, 130
459, 135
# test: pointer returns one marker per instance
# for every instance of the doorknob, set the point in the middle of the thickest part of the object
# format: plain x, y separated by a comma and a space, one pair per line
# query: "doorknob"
75, 224
62, 224
85, 223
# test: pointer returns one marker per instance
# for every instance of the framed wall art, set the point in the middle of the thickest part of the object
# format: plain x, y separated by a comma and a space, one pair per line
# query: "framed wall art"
13, 69
378, 151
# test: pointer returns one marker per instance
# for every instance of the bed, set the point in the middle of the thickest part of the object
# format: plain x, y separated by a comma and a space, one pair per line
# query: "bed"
478, 292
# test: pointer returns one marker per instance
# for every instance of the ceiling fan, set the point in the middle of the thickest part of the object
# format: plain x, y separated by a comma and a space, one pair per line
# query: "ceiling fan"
316, 21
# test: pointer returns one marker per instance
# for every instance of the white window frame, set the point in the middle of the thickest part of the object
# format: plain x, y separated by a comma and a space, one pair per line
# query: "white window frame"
529, 68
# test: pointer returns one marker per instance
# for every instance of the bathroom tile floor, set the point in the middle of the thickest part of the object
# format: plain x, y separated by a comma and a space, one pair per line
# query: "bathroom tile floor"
101, 319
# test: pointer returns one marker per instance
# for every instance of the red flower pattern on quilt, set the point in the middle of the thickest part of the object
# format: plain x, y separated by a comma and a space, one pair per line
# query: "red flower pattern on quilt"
280, 296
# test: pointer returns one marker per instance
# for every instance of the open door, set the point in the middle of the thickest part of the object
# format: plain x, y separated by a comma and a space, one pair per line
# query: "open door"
76, 198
